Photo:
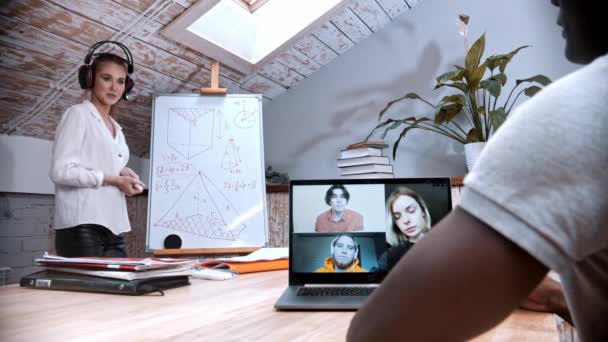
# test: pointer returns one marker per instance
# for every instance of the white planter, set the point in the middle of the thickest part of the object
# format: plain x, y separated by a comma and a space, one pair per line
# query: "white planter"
472, 152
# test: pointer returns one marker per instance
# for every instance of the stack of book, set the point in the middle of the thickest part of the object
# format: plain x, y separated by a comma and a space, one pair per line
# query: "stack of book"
110, 275
365, 160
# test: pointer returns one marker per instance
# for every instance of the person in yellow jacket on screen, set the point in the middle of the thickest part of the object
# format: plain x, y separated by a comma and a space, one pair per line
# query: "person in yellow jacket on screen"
344, 256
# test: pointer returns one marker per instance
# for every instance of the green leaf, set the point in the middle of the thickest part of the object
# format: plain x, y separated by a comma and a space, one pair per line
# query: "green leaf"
458, 85
406, 96
497, 117
476, 76
404, 132
474, 54
458, 98
391, 127
541, 79
458, 67
493, 62
447, 113
507, 58
380, 125
493, 86
454, 75
396, 124
531, 91
472, 135
503, 59
502, 78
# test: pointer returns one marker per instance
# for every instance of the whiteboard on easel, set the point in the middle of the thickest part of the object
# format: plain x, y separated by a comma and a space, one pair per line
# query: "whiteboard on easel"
207, 183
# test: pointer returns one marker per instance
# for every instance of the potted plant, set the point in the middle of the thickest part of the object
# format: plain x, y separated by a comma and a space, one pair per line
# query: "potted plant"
479, 87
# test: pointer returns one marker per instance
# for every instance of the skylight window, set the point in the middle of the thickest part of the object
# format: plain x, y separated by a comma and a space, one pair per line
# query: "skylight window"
232, 33
251, 5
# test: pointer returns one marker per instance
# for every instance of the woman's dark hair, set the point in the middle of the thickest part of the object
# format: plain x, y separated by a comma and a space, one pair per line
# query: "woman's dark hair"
330, 192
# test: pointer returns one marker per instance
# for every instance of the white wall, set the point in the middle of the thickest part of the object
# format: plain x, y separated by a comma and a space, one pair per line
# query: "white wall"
25, 164
306, 127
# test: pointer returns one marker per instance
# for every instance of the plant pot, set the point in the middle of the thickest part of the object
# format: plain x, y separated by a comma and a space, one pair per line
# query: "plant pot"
472, 151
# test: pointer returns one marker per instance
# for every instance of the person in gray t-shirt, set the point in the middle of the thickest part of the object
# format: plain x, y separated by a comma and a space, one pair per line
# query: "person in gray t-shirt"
537, 200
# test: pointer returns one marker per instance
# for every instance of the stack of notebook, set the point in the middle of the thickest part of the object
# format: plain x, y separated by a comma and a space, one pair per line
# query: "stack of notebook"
365, 160
110, 275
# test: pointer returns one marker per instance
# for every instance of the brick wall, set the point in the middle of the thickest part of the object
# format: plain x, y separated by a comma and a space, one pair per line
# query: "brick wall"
26, 228
25, 232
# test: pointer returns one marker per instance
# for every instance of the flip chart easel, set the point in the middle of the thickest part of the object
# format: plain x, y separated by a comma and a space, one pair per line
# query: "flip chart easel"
215, 81
214, 170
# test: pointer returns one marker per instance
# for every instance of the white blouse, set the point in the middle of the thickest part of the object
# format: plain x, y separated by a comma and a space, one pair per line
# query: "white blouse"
83, 152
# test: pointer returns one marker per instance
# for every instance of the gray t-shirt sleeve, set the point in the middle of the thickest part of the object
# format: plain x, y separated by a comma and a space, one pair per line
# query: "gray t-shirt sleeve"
542, 179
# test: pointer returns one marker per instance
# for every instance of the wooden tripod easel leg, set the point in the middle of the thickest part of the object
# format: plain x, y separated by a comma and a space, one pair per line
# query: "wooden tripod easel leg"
215, 81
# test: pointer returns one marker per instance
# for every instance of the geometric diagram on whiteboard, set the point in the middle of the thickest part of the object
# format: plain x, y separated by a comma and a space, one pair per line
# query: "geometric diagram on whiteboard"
202, 209
219, 127
231, 156
244, 118
190, 130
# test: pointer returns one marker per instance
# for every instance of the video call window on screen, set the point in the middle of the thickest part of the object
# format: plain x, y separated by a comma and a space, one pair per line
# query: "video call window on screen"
361, 228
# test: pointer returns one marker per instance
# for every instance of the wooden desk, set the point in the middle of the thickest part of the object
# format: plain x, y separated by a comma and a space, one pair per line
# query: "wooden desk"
232, 310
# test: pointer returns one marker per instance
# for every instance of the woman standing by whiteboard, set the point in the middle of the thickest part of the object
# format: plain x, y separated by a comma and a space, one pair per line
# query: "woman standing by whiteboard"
89, 161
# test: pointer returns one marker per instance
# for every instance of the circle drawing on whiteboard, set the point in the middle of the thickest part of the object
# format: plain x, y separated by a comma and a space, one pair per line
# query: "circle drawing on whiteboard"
203, 210
244, 119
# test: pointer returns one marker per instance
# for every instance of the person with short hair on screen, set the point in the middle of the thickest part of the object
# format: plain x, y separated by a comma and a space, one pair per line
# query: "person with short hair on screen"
408, 221
338, 218
535, 201
344, 256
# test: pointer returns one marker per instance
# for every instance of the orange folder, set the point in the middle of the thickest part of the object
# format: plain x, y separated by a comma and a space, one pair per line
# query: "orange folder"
248, 267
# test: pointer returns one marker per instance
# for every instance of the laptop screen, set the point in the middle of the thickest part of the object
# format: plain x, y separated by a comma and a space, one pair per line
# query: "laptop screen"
354, 231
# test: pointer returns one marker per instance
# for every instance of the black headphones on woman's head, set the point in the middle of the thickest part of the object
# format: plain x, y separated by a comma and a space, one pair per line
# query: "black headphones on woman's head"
86, 73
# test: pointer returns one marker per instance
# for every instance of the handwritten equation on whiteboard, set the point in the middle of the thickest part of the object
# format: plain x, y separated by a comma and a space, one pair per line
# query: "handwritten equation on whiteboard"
207, 172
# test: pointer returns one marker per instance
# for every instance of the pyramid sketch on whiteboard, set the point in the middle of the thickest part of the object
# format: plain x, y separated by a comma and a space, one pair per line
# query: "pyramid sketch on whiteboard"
203, 210
245, 118
231, 159
190, 130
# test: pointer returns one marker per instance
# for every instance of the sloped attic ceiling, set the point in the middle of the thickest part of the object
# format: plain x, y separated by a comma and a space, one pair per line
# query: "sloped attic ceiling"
43, 42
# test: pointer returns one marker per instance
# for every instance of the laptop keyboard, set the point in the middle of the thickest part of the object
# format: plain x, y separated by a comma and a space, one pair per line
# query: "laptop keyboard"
335, 291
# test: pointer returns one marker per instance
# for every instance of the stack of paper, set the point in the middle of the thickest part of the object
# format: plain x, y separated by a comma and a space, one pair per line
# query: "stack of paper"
119, 268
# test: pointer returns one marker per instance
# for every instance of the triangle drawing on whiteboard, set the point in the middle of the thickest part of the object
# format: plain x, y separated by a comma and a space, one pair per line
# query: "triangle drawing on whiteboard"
231, 158
202, 209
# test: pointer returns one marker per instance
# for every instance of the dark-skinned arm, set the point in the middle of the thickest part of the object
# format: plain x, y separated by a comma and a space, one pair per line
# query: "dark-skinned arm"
462, 279
548, 296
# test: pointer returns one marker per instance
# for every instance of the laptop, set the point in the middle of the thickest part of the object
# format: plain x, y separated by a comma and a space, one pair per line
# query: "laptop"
339, 244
